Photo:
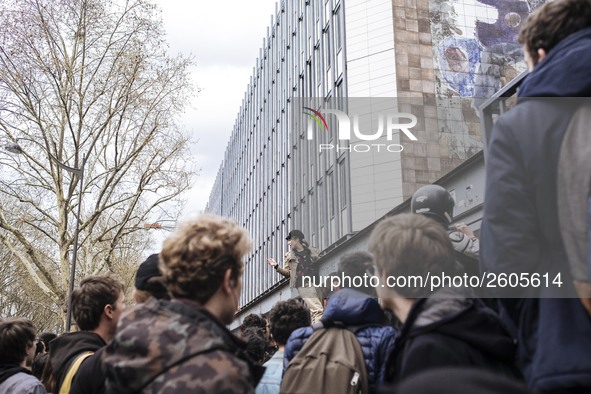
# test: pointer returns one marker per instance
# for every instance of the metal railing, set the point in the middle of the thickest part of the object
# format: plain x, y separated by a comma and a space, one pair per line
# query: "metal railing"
498, 104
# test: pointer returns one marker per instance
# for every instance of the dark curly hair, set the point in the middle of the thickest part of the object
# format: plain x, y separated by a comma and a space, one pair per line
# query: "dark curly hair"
285, 317
254, 320
196, 256
256, 344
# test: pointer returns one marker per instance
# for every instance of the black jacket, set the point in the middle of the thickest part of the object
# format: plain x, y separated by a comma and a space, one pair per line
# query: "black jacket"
65, 349
520, 231
91, 375
451, 332
457, 380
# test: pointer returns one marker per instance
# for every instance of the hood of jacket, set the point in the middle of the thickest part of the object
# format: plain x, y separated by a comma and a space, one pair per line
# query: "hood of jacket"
353, 308
67, 346
153, 336
564, 72
465, 319
8, 370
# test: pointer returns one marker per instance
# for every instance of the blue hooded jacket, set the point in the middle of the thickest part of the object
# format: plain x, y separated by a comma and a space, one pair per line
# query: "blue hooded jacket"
520, 232
354, 308
564, 72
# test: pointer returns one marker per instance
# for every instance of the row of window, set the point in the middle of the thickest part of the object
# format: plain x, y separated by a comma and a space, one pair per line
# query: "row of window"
272, 178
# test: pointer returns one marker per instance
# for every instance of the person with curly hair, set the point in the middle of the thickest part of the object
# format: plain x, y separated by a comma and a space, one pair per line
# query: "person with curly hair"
182, 345
284, 318
254, 325
256, 322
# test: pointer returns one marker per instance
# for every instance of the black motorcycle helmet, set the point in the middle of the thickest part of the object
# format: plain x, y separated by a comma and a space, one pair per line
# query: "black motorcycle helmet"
435, 202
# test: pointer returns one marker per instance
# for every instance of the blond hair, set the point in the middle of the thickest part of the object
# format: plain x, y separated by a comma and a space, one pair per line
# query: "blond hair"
195, 258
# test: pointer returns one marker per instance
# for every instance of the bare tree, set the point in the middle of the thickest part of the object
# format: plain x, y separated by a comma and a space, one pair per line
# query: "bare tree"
20, 296
88, 83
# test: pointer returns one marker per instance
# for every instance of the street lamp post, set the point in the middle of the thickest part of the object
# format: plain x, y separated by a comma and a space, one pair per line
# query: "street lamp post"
14, 147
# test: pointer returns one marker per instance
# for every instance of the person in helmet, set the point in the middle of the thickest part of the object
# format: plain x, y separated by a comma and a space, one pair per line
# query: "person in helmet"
435, 202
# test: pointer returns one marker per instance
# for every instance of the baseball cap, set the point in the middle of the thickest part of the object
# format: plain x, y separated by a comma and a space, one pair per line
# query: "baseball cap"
295, 234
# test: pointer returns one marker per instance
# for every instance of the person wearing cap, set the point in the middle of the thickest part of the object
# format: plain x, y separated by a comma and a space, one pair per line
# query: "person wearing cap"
149, 281
299, 262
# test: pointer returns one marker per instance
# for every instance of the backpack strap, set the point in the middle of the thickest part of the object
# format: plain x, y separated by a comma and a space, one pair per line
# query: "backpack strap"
179, 362
67, 383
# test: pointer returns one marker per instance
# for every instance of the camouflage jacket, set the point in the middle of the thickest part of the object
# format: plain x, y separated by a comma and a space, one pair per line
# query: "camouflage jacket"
176, 347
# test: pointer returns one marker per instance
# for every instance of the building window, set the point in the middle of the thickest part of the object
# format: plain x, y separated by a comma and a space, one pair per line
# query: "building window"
338, 36
327, 47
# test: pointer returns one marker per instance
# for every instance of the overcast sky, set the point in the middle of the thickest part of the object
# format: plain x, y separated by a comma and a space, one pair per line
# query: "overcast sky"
224, 37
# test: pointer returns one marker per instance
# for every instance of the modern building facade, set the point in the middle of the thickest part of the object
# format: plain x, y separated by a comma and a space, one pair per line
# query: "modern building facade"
292, 162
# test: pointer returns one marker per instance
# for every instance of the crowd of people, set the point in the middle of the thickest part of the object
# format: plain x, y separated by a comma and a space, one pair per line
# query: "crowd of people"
175, 340
357, 339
